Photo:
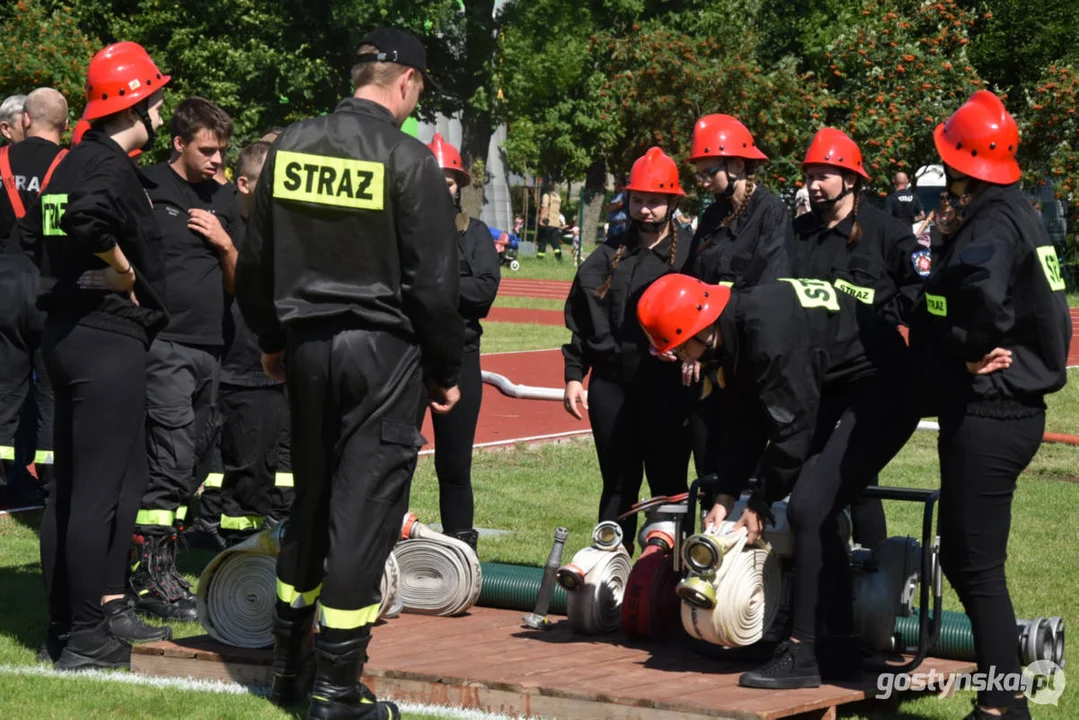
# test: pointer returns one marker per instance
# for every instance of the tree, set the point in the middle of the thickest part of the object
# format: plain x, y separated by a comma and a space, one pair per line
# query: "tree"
895, 76
1049, 143
44, 47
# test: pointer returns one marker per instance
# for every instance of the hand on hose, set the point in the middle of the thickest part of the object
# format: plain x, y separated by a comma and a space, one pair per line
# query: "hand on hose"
720, 511
753, 524
575, 394
691, 372
274, 365
442, 399
996, 359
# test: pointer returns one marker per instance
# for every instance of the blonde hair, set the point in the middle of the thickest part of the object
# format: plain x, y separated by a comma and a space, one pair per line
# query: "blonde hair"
382, 74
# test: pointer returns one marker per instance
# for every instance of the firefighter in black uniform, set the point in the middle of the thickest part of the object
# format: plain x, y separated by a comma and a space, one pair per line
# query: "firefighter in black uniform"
742, 239
815, 406
991, 341
26, 399
638, 429
456, 431
350, 270
102, 273
862, 251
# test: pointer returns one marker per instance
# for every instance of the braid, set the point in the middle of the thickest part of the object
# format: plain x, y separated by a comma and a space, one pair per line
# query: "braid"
751, 187
602, 291
674, 242
856, 230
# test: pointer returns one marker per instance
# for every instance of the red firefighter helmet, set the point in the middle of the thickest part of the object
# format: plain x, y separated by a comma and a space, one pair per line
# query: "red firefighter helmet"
655, 172
834, 147
723, 136
449, 159
119, 77
980, 140
676, 307
80, 129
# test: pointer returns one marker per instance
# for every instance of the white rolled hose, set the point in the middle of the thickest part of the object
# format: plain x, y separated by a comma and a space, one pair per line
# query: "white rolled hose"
237, 591
439, 574
595, 582
780, 536
741, 583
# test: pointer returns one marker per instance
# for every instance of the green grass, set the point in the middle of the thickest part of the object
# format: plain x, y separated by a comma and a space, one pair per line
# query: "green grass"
507, 337
546, 268
531, 490
530, 303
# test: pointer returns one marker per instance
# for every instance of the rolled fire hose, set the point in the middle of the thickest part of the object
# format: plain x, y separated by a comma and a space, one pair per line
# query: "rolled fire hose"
238, 589
595, 582
650, 605
515, 587
440, 575
1038, 639
732, 594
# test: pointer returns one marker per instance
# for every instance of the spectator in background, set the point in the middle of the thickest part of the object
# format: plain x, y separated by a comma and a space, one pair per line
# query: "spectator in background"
801, 201
549, 228
617, 218
904, 203
11, 111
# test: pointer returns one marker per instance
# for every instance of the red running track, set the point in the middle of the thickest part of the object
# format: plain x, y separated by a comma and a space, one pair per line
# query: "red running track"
505, 420
527, 315
547, 289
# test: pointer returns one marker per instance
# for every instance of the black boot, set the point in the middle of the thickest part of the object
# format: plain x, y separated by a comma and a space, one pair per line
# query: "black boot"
293, 655
55, 639
125, 625
468, 537
840, 659
1019, 710
204, 535
94, 648
153, 589
794, 665
338, 693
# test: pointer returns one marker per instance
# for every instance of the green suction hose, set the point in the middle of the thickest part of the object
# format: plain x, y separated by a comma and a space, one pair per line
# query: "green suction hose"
515, 587
1038, 639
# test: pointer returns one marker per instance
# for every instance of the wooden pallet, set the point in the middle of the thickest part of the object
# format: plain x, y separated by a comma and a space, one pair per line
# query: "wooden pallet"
487, 660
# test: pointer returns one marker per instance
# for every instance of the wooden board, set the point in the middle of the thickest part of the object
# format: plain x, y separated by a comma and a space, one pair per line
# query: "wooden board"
487, 660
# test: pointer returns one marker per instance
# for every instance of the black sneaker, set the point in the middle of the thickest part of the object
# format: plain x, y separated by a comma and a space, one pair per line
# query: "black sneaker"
125, 625
94, 648
468, 537
55, 640
794, 665
1019, 710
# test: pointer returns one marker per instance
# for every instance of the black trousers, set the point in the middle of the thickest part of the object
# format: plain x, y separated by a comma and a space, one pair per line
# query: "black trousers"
980, 462
100, 383
455, 433
181, 423
860, 428
26, 418
253, 421
640, 430
353, 396
548, 235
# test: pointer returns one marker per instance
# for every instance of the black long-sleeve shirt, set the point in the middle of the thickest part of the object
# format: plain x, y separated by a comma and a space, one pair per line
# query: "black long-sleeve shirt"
480, 276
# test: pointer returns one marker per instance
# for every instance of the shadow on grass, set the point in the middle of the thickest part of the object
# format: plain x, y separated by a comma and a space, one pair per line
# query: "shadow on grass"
24, 613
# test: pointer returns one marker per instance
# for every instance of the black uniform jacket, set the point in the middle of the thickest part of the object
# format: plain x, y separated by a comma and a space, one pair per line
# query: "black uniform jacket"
996, 283
880, 269
784, 346
480, 276
30, 161
607, 338
20, 320
751, 250
352, 224
97, 199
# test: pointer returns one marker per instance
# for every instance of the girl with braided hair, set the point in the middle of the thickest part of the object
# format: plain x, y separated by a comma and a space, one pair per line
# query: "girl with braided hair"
742, 240
863, 251
637, 428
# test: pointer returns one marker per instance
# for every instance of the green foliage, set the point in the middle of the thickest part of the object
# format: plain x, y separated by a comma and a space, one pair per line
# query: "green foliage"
1049, 145
895, 76
44, 47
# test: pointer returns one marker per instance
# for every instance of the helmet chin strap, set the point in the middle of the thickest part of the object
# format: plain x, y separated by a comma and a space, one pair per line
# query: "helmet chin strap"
822, 206
729, 192
147, 123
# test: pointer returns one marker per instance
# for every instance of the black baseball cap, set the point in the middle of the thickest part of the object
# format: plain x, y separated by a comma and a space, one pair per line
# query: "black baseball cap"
398, 46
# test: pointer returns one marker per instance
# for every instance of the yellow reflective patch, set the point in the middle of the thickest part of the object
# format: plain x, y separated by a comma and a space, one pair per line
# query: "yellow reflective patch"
936, 305
348, 619
326, 180
214, 480
243, 522
181, 512
43, 457
52, 209
814, 293
726, 283
864, 294
155, 517
282, 479
1051, 267
293, 598
7, 452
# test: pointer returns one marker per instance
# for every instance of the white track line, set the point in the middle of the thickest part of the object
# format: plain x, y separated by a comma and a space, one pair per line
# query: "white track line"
520, 352
515, 441
220, 688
